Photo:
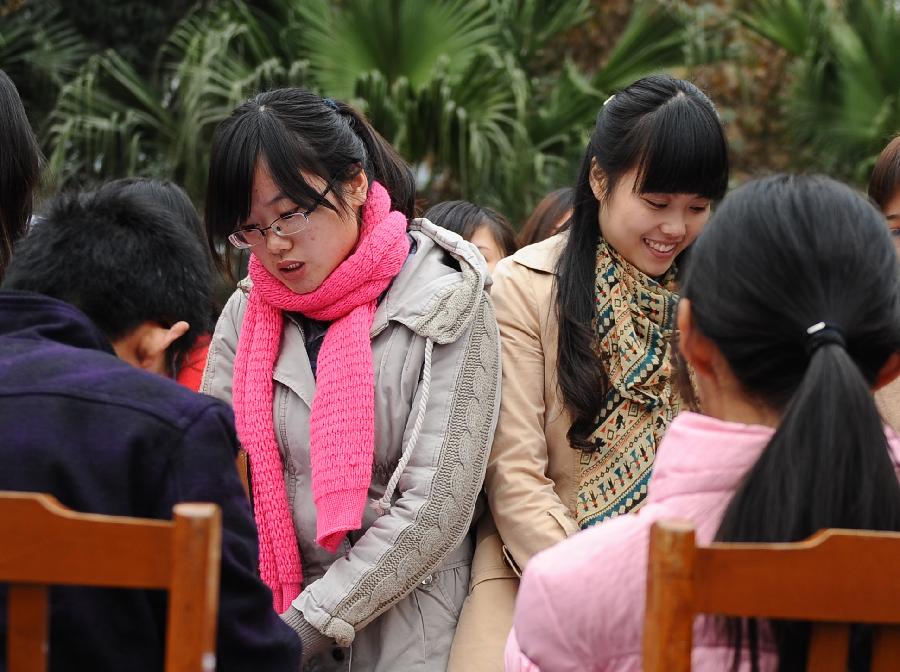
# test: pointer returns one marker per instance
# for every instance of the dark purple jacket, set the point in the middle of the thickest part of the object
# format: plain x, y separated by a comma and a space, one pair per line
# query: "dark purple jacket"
104, 437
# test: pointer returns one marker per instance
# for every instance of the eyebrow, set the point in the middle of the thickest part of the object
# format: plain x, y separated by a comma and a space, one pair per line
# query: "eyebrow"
280, 196
667, 194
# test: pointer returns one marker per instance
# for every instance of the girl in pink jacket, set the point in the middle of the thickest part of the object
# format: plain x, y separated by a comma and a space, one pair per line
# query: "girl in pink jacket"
790, 317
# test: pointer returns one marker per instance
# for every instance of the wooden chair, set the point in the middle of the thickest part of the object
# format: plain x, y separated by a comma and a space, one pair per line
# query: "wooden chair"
44, 543
833, 578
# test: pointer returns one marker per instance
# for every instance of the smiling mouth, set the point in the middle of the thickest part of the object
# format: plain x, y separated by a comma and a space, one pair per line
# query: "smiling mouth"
660, 248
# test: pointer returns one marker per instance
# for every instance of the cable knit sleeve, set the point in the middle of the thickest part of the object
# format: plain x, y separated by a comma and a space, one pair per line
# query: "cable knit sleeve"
438, 487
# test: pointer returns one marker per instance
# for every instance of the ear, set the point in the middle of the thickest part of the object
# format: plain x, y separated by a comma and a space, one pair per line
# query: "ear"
599, 180
357, 189
697, 349
889, 371
146, 345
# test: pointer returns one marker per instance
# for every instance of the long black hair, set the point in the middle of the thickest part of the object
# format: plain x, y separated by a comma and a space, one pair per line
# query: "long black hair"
294, 130
781, 255
669, 131
20, 169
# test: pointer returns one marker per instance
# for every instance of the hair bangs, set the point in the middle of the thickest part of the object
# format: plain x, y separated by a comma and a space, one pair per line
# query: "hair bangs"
231, 169
683, 151
287, 157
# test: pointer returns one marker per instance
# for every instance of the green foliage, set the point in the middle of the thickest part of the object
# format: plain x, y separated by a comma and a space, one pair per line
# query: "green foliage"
134, 29
469, 91
40, 49
527, 28
398, 38
111, 121
844, 102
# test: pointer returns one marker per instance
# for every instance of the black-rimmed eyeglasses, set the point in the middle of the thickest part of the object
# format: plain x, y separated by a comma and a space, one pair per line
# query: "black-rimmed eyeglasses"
289, 224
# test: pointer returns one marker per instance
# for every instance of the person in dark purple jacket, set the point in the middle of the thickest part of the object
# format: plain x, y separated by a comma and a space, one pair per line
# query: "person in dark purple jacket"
98, 290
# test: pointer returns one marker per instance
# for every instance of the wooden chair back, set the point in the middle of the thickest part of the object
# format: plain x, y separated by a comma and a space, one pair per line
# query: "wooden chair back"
833, 578
47, 544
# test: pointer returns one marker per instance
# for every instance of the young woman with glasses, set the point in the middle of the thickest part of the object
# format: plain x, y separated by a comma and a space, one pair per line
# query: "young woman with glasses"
362, 359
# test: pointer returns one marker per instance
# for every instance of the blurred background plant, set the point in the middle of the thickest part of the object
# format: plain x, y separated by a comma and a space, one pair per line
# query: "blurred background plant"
489, 100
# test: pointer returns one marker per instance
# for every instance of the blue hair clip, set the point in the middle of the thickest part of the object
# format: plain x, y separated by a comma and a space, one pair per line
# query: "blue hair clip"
330, 103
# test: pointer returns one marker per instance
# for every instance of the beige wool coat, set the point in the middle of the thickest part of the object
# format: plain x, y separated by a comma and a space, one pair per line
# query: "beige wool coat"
390, 596
533, 472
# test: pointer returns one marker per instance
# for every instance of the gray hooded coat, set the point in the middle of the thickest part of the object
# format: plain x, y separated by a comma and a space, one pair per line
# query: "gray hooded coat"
393, 592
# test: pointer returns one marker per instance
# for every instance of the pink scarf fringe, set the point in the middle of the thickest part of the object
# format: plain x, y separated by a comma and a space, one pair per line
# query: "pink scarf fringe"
342, 421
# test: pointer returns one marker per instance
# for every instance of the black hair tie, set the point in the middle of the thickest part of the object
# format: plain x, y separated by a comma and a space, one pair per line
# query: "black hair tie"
823, 333
330, 103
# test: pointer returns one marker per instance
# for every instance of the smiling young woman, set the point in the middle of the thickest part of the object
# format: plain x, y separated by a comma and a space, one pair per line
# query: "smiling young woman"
587, 323
362, 359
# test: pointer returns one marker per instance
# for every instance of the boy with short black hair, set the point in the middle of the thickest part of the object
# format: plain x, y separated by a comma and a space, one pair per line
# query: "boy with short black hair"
105, 274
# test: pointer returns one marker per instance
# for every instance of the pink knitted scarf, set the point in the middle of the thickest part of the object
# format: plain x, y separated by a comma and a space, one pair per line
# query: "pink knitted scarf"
342, 421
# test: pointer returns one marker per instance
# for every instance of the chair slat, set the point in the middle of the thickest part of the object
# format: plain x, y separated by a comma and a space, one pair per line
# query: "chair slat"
102, 551
752, 580
46, 544
886, 649
668, 633
833, 578
26, 643
829, 645
194, 596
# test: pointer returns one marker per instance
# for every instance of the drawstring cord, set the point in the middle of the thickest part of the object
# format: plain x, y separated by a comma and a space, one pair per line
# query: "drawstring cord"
383, 505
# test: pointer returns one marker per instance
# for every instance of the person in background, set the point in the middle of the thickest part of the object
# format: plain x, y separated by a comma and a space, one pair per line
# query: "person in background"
186, 362
587, 322
884, 189
363, 360
94, 299
790, 441
486, 229
884, 186
20, 169
550, 216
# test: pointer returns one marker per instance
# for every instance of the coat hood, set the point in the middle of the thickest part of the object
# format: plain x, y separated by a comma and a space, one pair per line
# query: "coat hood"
438, 290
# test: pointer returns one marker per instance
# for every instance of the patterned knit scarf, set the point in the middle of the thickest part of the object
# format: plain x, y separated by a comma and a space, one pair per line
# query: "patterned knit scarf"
342, 421
634, 321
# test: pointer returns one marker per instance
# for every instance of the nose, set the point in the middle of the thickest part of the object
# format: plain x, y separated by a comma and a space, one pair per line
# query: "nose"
674, 225
277, 244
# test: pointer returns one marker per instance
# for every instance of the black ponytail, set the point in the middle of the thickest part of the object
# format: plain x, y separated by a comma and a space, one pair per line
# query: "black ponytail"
669, 131
780, 257
384, 163
295, 131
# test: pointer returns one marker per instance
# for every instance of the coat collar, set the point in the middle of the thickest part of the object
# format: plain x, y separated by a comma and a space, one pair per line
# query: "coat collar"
703, 454
39, 317
540, 256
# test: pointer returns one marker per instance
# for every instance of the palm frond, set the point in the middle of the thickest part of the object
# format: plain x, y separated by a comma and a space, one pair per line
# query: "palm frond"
397, 38
653, 39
